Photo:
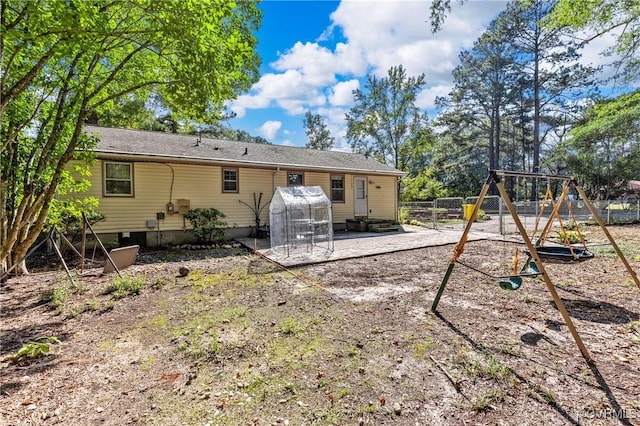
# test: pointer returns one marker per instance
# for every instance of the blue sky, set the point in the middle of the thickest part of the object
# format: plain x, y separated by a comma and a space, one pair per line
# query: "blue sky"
315, 53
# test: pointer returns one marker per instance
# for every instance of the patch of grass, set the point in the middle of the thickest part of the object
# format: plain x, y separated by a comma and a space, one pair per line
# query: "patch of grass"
59, 296
342, 392
158, 321
198, 338
573, 237
291, 352
290, 325
126, 285
201, 280
80, 287
159, 283
108, 305
496, 369
474, 368
541, 394
483, 402
421, 348
256, 384
87, 306
508, 348
352, 352
369, 408
290, 388
233, 313
630, 250
146, 364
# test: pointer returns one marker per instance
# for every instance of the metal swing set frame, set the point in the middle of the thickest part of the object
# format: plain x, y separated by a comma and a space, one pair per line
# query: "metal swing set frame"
534, 265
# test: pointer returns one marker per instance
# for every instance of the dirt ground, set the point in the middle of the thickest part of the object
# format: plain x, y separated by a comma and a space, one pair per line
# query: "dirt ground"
239, 341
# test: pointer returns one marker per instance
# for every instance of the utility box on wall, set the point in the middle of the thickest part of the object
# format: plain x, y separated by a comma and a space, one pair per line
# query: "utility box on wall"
184, 206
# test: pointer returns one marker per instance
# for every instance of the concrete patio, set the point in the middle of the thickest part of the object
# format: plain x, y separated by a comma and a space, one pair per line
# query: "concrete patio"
347, 245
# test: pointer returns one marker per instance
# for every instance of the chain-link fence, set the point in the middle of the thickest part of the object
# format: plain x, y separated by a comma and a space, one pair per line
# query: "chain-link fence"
494, 216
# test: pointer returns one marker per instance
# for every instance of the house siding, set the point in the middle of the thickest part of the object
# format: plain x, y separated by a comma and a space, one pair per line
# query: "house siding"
202, 186
381, 196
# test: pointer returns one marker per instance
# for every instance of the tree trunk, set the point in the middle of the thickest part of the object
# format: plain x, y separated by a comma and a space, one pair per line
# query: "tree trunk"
536, 120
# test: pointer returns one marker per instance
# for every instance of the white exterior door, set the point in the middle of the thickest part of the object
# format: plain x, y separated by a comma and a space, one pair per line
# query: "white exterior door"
360, 206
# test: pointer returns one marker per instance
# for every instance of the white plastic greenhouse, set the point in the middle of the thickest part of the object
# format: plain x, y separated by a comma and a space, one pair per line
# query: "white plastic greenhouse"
300, 222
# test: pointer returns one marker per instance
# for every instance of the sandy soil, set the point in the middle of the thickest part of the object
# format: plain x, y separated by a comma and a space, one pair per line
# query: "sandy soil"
239, 341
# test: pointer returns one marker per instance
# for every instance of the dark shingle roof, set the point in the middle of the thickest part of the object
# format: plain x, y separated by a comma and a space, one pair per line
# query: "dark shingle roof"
145, 145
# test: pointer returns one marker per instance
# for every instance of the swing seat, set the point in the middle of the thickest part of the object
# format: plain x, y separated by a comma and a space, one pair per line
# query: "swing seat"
563, 254
531, 269
512, 283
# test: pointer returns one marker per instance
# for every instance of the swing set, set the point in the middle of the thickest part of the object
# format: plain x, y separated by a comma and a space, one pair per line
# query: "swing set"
535, 245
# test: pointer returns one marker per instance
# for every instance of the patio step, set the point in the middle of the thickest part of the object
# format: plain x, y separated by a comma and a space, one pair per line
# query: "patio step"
384, 227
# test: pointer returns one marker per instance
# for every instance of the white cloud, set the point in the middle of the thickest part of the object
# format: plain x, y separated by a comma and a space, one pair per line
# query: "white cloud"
244, 102
319, 65
372, 37
270, 129
427, 98
398, 32
341, 94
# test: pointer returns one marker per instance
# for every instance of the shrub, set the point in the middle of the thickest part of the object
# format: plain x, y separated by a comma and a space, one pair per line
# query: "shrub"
403, 214
207, 226
571, 236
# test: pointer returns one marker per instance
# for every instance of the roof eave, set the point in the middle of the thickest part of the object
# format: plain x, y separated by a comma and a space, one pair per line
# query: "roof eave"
105, 154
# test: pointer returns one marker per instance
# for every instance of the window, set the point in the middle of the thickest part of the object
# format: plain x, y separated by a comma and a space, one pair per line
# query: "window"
229, 180
295, 179
118, 179
337, 188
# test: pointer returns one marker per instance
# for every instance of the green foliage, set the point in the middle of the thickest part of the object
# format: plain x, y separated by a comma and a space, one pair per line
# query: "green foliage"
126, 285
602, 152
518, 87
65, 215
386, 124
439, 10
572, 237
198, 337
483, 402
290, 325
403, 215
207, 226
421, 348
58, 297
597, 18
65, 62
610, 120
316, 130
219, 131
422, 187
130, 113
34, 350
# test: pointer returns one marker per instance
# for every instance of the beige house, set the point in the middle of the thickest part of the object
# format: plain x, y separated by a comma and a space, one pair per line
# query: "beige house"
145, 181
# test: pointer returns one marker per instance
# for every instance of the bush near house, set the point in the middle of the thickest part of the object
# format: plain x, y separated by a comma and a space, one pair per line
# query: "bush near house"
207, 226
